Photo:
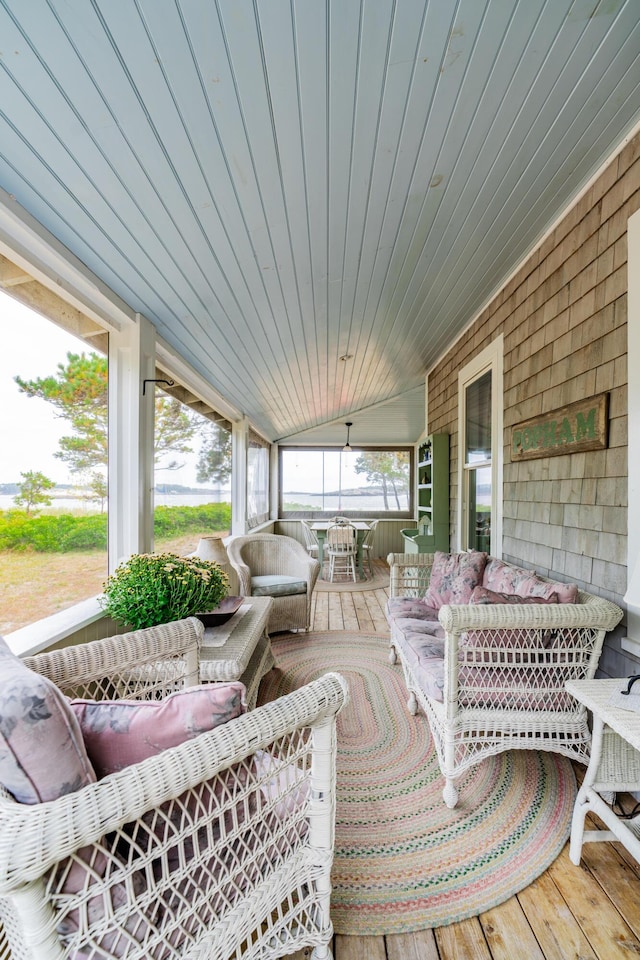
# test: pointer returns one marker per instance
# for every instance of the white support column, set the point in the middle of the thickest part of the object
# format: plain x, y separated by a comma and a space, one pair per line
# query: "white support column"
274, 482
240, 442
131, 425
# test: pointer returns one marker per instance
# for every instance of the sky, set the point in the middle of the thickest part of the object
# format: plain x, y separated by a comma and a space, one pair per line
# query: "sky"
29, 432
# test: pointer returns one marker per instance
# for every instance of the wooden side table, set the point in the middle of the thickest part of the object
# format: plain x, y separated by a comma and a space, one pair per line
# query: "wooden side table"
614, 766
240, 649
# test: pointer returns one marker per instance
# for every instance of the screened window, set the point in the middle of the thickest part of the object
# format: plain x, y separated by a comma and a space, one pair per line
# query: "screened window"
192, 454
53, 478
257, 480
360, 483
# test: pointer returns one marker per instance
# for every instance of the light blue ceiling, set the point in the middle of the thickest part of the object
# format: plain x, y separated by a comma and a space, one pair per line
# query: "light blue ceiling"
278, 184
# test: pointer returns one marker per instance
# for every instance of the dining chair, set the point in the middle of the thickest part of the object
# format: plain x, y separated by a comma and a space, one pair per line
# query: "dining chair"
367, 545
310, 540
341, 549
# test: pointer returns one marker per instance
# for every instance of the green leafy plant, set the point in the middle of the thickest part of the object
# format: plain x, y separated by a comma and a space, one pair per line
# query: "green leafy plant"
151, 588
34, 488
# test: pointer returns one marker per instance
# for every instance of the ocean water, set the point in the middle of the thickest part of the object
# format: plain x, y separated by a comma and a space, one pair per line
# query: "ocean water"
337, 502
315, 501
77, 504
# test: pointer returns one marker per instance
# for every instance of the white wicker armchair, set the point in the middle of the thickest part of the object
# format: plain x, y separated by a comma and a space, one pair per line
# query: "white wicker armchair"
505, 669
268, 564
218, 848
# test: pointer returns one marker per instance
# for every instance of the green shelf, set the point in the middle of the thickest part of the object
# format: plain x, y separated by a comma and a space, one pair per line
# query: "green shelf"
432, 532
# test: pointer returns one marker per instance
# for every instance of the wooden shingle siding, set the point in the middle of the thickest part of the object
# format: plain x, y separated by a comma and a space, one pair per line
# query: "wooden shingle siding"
564, 320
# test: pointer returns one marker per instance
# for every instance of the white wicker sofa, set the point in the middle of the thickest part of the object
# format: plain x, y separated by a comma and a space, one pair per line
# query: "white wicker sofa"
488, 666
219, 847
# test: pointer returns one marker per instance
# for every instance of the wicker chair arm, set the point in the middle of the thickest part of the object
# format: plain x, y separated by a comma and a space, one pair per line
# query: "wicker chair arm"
409, 573
34, 838
593, 612
313, 572
244, 577
103, 658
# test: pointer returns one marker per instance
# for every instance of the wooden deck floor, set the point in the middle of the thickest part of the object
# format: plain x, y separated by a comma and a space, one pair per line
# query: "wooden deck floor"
591, 912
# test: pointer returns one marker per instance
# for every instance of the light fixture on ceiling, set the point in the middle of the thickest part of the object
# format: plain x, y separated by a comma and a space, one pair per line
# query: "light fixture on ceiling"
347, 447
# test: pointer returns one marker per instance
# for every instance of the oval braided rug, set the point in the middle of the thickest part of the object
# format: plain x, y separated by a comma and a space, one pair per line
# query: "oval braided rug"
403, 860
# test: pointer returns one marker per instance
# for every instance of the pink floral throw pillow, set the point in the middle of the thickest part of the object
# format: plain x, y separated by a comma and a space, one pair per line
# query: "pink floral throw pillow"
534, 587
483, 595
118, 733
453, 577
503, 577
42, 755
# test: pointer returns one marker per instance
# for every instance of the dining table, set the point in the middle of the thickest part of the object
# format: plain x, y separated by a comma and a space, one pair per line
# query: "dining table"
320, 528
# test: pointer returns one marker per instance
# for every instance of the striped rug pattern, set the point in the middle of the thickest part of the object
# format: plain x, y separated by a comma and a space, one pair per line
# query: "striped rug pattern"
403, 860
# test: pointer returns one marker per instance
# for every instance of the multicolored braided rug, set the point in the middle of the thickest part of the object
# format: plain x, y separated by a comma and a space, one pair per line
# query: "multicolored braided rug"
403, 860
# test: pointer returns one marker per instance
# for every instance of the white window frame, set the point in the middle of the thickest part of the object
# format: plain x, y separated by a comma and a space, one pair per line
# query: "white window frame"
491, 358
632, 596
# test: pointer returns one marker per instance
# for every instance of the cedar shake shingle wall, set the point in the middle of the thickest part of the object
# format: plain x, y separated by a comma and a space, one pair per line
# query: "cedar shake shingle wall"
564, 321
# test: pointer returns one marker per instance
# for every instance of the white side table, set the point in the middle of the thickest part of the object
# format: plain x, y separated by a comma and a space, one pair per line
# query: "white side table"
614, 766
241, 649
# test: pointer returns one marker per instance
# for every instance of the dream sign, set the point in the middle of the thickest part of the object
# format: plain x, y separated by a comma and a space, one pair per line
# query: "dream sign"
572, 429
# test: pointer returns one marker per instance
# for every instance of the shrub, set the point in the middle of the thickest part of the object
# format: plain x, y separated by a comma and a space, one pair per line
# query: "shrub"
172, 521
60, 533
52, 534
151, 588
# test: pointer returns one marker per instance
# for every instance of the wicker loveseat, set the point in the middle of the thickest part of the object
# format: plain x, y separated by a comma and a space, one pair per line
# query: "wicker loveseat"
487, 667
220, 847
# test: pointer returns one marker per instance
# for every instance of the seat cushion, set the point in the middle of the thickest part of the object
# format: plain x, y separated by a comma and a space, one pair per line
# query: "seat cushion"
423, 628
277, 585
425, 656
412, 607
42, 753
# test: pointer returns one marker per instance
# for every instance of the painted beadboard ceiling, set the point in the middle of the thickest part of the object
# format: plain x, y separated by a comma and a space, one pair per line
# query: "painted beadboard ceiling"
277, 185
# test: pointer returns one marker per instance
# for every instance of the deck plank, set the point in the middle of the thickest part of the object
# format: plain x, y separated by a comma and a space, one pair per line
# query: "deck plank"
376, 613
359, 948
554, 925
606, 930
365, 623
619, 882
336, 621
320, 612
463, 941
349, 615
412, 946
508, 932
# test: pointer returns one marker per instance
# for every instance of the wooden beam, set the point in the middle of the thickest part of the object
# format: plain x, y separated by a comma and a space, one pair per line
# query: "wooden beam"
30, 292
11, 274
